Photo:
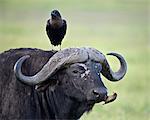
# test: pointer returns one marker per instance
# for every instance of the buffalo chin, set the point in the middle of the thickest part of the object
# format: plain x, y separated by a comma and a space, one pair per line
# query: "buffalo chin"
91, 103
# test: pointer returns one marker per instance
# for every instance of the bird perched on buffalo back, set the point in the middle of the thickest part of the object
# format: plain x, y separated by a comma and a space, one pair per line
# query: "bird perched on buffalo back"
56, 28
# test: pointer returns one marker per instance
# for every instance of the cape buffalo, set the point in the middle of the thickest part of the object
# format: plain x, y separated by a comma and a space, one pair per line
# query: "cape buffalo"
38, 84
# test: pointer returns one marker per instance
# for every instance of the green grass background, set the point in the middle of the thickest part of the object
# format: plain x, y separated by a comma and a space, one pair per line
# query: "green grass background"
114, 25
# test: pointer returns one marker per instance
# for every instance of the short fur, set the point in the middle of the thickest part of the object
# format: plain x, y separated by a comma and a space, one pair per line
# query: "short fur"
61, 100
19, 101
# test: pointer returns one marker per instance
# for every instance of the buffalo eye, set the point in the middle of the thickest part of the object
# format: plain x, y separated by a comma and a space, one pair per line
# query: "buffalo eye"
75, 71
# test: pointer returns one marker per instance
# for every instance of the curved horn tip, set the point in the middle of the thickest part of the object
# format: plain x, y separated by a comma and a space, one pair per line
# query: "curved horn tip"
25, 57
22, 59
113, 53
116, 76
119, 56
19, 62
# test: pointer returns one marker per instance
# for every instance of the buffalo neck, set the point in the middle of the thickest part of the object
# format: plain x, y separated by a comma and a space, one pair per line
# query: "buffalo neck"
56, 105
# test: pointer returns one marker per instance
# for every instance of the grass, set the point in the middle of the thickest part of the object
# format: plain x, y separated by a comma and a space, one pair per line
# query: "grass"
120, 26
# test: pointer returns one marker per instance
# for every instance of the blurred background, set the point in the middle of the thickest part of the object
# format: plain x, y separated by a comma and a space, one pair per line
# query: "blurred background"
114, 25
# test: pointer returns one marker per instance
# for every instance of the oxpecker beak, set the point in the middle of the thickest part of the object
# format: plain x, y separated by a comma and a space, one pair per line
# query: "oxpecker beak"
110, 98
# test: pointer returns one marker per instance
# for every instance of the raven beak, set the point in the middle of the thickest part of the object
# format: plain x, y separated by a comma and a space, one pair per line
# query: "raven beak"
53, 15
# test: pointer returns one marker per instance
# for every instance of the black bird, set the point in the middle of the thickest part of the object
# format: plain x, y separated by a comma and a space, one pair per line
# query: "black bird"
56, 28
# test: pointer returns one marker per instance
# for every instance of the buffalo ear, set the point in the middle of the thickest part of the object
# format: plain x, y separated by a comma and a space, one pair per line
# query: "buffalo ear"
41, 87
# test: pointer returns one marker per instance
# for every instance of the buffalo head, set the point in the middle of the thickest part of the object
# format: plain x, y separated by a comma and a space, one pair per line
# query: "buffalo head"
76, 71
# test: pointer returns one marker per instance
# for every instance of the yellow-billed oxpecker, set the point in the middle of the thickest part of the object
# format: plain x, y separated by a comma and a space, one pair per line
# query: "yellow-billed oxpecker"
56, 28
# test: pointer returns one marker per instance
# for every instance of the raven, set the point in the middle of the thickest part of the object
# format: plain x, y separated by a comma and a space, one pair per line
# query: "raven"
56, 28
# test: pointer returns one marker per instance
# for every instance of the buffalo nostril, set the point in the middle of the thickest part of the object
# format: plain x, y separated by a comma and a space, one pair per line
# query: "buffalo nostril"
96, 93
100, 93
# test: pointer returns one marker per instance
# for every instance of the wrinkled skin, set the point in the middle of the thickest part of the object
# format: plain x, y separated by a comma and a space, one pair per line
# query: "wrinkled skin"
77, 82
85, 81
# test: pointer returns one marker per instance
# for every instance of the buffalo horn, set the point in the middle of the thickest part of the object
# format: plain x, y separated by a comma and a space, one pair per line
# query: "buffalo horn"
97, 56
58, 60
114, 76
69, 56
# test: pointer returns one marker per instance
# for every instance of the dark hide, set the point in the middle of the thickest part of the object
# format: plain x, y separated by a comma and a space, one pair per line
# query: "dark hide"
19, 101
68, 95
56, 35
